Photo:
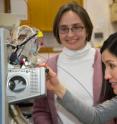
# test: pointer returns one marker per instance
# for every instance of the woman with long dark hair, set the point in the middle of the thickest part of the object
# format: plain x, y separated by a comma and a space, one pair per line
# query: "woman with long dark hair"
102, 112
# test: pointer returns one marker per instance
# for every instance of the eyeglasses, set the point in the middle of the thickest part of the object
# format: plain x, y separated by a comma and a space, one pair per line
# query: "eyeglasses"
74, 29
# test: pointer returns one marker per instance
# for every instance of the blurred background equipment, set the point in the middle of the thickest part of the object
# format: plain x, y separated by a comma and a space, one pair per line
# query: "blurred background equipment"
25, 42
113, 8
17, 115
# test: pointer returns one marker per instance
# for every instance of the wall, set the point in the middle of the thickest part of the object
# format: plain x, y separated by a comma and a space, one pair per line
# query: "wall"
1, 6
19, 8
99, 11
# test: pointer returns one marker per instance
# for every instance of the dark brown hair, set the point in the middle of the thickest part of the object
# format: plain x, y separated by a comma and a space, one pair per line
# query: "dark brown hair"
110, 44
80, 11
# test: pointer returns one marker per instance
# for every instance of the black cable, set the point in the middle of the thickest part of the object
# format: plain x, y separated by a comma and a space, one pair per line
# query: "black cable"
14, 57
27, 40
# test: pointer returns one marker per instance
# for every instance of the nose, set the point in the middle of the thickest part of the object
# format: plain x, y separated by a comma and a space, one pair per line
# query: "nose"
70, 32
107, 75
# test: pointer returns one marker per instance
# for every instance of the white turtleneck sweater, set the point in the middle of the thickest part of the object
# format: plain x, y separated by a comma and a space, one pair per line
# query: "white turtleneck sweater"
75, 71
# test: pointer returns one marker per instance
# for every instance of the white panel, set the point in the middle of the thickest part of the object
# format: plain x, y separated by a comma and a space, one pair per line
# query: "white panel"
19, 7
9, 20
1, 5
3, 75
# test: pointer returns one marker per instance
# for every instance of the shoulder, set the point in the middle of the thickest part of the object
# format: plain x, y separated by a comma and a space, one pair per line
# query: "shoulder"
97, 54
52, 62
52, 59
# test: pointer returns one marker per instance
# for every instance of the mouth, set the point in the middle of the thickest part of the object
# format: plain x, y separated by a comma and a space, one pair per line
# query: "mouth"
114, 85
72, 41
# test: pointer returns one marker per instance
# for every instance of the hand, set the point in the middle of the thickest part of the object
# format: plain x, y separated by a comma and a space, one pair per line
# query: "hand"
53, 83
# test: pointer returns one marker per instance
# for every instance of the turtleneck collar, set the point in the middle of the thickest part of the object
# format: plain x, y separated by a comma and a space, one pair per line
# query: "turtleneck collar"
73, 53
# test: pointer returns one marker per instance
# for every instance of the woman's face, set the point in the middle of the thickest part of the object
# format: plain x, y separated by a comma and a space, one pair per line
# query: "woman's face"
72, 31
110, 62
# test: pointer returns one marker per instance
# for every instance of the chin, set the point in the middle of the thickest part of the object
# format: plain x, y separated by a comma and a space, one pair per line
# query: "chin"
72, 48
115, 91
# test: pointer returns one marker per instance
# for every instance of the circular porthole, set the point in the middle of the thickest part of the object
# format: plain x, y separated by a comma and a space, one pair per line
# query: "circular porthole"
17, 84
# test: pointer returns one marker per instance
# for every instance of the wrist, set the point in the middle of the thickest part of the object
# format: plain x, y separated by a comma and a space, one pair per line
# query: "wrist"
60, 91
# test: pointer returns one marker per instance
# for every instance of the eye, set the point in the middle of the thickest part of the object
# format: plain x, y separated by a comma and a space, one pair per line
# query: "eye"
112, 66
63, 29
77, 28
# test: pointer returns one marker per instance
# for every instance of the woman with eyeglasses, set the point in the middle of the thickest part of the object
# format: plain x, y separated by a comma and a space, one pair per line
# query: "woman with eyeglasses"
102, 112
78, 66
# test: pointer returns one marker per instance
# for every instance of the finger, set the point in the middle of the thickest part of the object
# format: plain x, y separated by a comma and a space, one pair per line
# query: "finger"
49, 85
41, 65
47, 77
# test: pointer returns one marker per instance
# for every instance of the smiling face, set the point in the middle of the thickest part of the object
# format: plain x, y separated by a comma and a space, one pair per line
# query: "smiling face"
110, 62
72, 31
